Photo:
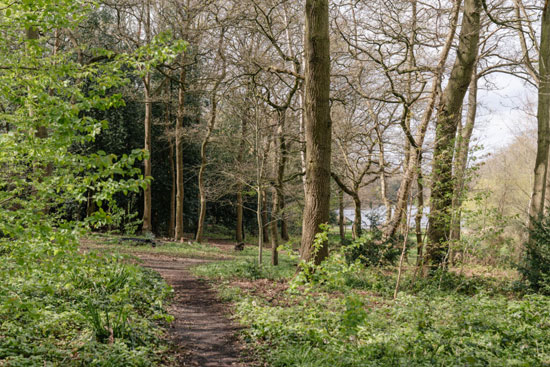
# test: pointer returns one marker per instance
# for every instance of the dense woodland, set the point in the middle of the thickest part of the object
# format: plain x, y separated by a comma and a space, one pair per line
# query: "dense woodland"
325, 154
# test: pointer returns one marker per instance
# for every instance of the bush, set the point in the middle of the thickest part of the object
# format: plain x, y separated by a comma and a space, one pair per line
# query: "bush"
372, 250
535, 266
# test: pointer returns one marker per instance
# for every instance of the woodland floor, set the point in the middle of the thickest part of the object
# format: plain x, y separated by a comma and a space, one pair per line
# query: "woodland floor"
202, 333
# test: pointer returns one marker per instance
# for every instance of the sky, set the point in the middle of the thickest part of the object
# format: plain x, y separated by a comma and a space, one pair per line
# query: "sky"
501, 112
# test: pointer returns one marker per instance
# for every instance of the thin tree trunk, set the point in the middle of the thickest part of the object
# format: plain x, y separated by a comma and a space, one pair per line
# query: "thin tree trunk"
536, 208
341, 217
239, 235
265, 219
419, 214
281, 167
206, 140
412, 164
172, 224
446, 126
357, 220
318, 129
273, 225
179, 155
259, 218
147, 200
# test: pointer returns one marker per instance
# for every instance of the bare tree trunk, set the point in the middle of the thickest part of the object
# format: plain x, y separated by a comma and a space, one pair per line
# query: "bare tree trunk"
318, 128
147, 201
147, 204
281, 167
357, 220
383, 181
179, 156
273, 225
284, 225
536, 208
206, 140
419, 214
412, 164
341, 217
265, 219
446, 126
239, 235
172, 224
259, 218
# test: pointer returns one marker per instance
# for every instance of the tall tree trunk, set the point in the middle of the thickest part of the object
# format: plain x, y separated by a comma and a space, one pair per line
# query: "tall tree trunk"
282, 158
413, 163
419, 214
446, 126
461, 159
383, 181
147, 201
536, 208
172, 224
284, 223
239, 235
206, 140
273, 225
179, 155
259, 218
341, 216
265, 219
318, 129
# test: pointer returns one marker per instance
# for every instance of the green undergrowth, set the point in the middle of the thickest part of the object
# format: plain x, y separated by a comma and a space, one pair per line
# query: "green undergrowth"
344, 314
59, 307
176, 249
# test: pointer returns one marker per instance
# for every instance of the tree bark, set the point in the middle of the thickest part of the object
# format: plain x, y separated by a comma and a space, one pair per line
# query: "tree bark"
273, 225
357, 220
171, 153
462, 158
341, 216
147, 200
413, 163
206, 140
446, 126
179, 155
536, 208
239, 235
318, 129
265, 219
419, 214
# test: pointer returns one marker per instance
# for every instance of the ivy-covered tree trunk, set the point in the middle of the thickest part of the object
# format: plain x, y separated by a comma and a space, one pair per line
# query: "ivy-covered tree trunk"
318, 129
461, 159
536, 207
446, 125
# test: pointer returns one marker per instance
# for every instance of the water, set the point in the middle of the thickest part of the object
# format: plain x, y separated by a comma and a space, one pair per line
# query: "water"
377, 215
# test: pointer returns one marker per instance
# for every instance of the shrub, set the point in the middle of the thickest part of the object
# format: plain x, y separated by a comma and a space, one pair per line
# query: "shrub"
373, 250
535, 266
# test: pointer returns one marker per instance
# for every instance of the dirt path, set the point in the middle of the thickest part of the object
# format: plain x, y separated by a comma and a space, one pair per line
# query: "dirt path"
201, 326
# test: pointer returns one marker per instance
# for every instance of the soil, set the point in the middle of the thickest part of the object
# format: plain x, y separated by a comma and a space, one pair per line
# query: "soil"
201, 330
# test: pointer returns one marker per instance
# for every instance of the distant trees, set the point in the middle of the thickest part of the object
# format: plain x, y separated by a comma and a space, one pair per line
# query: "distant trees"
247, 111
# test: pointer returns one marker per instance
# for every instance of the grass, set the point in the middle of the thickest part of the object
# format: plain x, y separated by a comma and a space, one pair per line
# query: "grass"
348, 317
59, 307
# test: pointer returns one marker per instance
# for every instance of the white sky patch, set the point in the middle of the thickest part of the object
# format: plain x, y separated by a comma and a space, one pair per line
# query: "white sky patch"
504, 110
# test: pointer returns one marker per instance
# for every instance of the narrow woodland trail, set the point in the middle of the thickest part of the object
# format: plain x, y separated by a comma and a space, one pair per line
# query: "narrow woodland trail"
201, 327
